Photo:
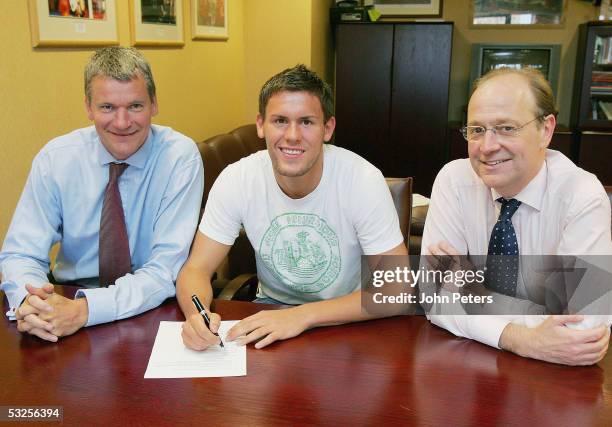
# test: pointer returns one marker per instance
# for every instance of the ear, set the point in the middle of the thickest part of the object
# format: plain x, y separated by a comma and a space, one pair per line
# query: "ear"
154, 109
330, 125
90, 113
548, 129
259, 122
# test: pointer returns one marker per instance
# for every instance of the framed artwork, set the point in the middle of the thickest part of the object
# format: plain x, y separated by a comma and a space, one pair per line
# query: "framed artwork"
407, 8
511, 13
73, 22
156, 22
209, 19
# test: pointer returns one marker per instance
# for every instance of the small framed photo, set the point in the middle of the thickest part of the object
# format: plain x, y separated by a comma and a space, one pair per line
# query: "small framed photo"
157, 22
73, 22
209, 19
517, 13
407, 8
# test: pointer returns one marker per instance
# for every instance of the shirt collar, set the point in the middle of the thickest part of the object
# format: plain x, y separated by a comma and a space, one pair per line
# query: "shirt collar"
138, 159
533, 193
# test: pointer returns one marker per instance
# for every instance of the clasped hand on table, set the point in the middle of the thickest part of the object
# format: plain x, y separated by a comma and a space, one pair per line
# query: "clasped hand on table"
49, 315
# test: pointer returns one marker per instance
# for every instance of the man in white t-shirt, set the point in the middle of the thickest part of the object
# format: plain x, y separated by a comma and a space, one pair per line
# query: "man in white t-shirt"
310, 211
514, 196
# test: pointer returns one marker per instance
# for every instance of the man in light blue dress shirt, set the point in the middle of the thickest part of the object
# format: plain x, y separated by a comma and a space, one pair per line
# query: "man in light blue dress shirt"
161, 191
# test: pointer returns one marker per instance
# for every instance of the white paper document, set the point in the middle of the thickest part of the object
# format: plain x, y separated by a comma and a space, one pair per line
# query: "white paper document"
171, 359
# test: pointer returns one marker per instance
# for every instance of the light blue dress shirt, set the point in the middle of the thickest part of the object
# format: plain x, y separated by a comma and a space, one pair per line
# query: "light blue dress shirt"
161, 193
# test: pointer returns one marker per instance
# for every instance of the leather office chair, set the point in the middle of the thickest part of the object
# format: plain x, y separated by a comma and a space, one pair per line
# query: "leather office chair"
241, 259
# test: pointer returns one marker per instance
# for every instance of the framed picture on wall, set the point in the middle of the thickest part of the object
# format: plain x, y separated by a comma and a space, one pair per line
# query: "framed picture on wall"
73, 22
407, 8
156, 22
517, 13
209, 19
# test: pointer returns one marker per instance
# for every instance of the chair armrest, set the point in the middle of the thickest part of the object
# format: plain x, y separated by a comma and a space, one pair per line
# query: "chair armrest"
247, 280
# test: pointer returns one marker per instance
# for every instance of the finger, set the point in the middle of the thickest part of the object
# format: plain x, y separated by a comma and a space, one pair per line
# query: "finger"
215, 322
269, 339
23, 326
568, 318
39, 304
37, 322
40, 333
48, 288
25, 310
27, 327
197, 325
435, 250
38, 291
241, 328
598, 334
448, 249
191, 340
254, 335
199, 333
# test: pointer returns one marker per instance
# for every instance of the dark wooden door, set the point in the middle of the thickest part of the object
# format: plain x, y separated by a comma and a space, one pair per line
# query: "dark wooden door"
363, 90
419, 101
392, 96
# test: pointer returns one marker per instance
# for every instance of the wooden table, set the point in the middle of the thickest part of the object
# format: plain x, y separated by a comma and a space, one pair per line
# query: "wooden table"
396, 371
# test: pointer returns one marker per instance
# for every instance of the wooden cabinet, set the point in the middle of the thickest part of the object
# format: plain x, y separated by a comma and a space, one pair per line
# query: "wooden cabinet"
391, 86
592, 101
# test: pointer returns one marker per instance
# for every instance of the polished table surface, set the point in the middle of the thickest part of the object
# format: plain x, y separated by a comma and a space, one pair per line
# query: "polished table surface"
395, 371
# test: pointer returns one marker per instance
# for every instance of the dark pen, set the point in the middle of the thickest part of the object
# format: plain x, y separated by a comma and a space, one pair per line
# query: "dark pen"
200, 308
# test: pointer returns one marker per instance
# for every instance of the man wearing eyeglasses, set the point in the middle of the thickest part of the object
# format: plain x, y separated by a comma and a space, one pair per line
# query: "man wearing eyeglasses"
515, 196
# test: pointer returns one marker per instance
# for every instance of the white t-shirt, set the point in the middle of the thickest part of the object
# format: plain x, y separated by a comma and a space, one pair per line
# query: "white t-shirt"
306, 249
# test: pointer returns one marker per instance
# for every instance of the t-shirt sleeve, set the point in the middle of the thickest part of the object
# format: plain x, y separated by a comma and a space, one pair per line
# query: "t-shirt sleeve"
376, 221
222, 217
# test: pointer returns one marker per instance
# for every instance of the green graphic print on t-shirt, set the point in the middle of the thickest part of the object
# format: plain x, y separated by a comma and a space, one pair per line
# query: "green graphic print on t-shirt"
302, 251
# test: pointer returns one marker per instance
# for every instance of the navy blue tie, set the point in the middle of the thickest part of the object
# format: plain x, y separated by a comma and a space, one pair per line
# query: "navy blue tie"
503, 255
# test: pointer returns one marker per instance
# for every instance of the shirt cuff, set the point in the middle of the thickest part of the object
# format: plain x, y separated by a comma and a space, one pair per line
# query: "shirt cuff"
15, 296
487, 329
100, 303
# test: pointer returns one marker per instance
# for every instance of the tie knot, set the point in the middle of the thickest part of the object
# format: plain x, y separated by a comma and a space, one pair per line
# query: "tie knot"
115, 170
508, 208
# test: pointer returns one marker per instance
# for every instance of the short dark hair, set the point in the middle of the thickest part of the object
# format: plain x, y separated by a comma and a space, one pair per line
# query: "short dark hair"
298, 79
118, 63
540, 88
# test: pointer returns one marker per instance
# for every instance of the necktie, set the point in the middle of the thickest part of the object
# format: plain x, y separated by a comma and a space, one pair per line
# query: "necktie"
114, 248
503, 255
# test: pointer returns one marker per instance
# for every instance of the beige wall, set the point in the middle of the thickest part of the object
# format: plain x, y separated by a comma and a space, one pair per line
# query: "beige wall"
322, 53
276, 36
458, 11
204, 88
208, 87
200, 90
282, 33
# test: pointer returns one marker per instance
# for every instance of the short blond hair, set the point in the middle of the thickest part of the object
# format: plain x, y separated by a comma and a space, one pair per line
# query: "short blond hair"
119, 63
540, 88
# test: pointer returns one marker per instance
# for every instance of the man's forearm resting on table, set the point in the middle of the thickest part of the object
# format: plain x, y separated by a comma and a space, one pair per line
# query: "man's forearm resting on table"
553, 341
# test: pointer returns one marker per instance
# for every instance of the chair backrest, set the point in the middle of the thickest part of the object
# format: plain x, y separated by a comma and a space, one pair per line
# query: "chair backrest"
222, 150
608, 189
401, 191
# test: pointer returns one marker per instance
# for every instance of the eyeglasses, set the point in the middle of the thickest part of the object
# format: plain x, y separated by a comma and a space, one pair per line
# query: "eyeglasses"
476, 133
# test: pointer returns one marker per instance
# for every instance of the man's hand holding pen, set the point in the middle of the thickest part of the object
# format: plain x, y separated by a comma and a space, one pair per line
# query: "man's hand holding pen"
196, 335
